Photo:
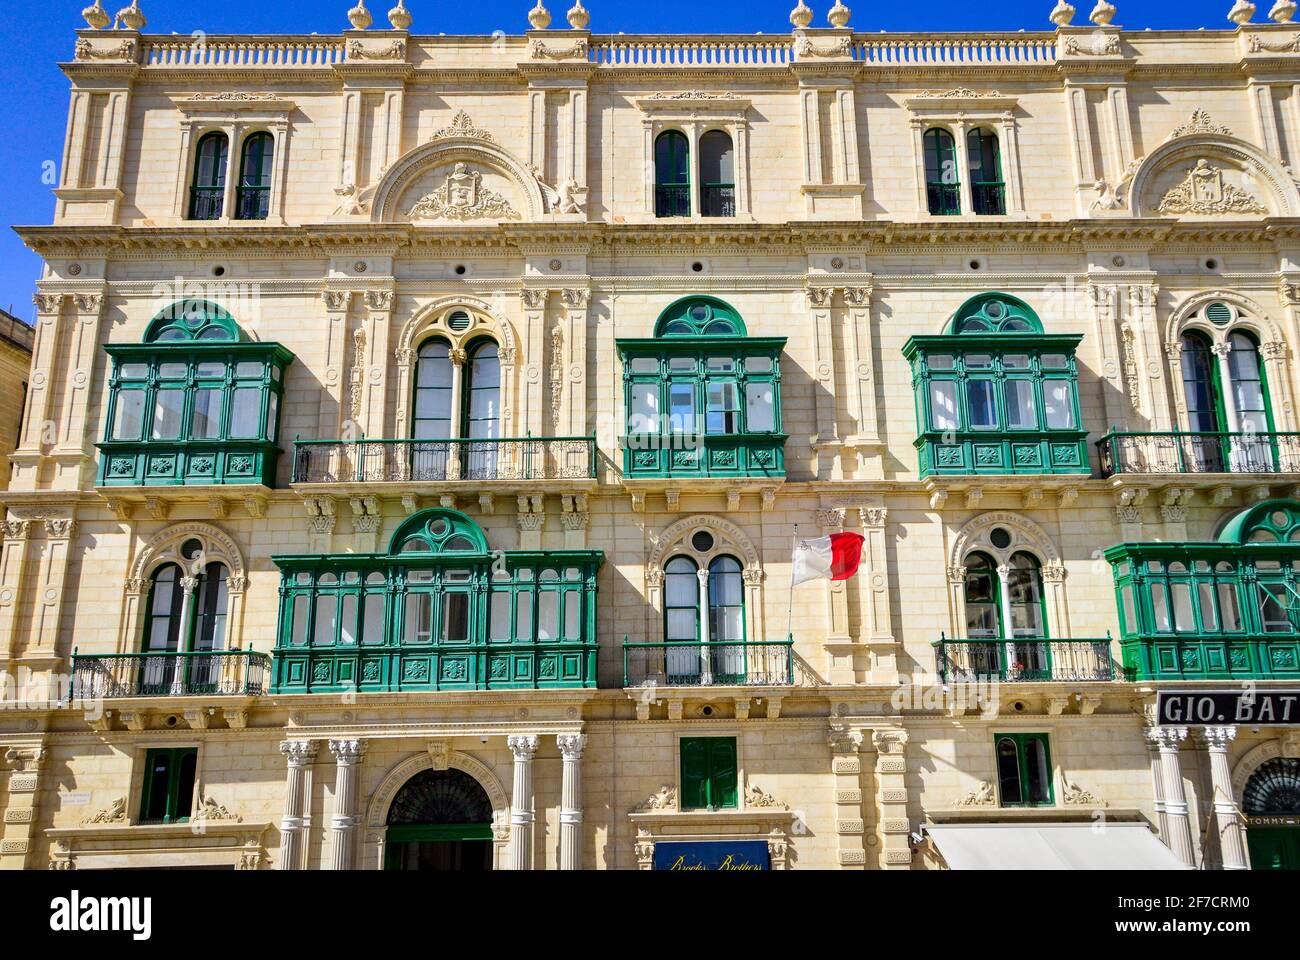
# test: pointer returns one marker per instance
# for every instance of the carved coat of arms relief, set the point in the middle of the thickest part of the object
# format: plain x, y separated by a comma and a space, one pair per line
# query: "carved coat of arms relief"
462, 196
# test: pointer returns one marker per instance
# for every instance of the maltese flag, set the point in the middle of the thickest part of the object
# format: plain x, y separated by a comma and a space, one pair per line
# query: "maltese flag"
835, 557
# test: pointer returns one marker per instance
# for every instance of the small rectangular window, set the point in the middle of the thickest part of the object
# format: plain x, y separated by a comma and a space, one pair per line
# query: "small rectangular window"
1019, 397
681, 365
210, 370
245, 412
1015, 361
205, 419
758, 364
723, 414
167, 411
128, 416
1055, 361
1058, 401
709, 773
760, 412
173, 371
645, 365
981, 405
979, 361
133, 371
721, 364
644, 415
1024, 769
940, 361
943, 405
168, 794
249, 368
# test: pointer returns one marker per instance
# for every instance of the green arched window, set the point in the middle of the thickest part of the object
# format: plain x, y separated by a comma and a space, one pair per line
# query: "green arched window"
253, 198
672, 175
995, 394
208, 186
942, 182
1224, 609
457, 421
437, 610
176, 623
194, 403
984, 163
702, 397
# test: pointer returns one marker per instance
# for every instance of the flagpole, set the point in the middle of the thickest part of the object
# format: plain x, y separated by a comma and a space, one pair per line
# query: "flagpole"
789, 612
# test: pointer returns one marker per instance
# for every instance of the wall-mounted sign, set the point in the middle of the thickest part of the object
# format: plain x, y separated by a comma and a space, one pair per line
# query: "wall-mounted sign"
712, 855
1248, 706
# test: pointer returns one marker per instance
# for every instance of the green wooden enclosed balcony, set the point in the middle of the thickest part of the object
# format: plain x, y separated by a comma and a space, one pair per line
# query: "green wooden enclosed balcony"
1023, 660
716, 664
229, 673
1162, 454
194, 404
1227, 609
437, 611
419, 461
996, 395
703, 399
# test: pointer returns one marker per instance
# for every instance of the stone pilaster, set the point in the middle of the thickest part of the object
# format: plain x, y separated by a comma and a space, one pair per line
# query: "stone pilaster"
337, 413
571, 746
895, 826
71, 451
846, 773
573, 421
372, 409
343, 825
1232, 840
1179, 837
878, 620
1157, 783
300, 754
524, 748
13, 568
21, 811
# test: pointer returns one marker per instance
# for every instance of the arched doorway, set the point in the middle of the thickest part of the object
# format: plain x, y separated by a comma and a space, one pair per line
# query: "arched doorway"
1271, 803
439, 820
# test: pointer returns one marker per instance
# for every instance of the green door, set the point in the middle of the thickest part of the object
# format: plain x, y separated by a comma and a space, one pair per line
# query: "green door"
1274, 848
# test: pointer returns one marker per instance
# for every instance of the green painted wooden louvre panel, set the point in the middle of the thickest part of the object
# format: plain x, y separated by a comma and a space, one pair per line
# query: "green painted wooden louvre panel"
708, 773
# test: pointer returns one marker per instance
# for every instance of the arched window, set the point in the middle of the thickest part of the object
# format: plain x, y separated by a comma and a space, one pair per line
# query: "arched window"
942, 187
208, 188
433, 384
449, 407
253, 199
717, 175
1201, 385
726, 601
483, 392
1005, 603
681, 601
983, 597
1226, 393
1025, 596
177, 624
672, 175
987, 191
1249, 392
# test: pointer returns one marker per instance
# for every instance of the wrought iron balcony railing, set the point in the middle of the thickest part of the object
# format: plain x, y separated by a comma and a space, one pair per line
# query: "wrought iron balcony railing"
205, 202
722, 664
718, 200
943, 199
989, 198
1023, 660
228, 673
673, 200
252, 203
402, 461
1179, 452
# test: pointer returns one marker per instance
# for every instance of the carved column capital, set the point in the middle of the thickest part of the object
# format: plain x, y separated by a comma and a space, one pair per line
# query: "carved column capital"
571, 745
523, 748
347, 751
299, 753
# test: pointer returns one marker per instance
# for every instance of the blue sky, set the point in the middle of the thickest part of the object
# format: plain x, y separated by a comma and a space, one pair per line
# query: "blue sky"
36, 91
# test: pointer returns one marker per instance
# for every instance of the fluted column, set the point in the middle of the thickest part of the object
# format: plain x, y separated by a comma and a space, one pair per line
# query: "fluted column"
1232, 844
521, 802
300, 754
1157, 783
180, 667
343, 825
1179, 839
571, 746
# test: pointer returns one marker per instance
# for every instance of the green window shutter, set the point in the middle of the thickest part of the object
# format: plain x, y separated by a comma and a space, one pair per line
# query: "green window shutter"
722, 772
168, 785
695, 772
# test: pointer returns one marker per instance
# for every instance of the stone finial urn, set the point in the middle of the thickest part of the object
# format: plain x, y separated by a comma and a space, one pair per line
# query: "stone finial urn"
1061, 14
801, 16
838, 15
132, 18
399, 17
1282, 11
96, 16
359, 16
1241, 12
1103, 13
578, 16
539, 17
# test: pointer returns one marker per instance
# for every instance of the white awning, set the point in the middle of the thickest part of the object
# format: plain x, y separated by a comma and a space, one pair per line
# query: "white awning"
1051, 846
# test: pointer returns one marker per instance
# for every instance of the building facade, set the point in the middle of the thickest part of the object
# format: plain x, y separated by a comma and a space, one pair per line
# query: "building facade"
420, 426
15, 361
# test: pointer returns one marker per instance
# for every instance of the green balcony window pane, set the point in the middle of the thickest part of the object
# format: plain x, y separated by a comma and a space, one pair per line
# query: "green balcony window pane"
128, 415
246, 412
1160, 608
205, 419
418, 618
548, 615
133, 371
298, 620
499, 616
644, 365
1229, 608
169, 407
758, 365
981, 405
1018, 396
1205, 598
760, 407
943, 404
455, 617
1181, 593
524, 616
681, 407
643, 416
372, 623
1058, 404
1055, 361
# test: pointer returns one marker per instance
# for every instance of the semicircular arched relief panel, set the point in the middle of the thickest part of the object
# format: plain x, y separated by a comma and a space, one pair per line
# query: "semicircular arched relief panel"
461, 189
1210, 180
